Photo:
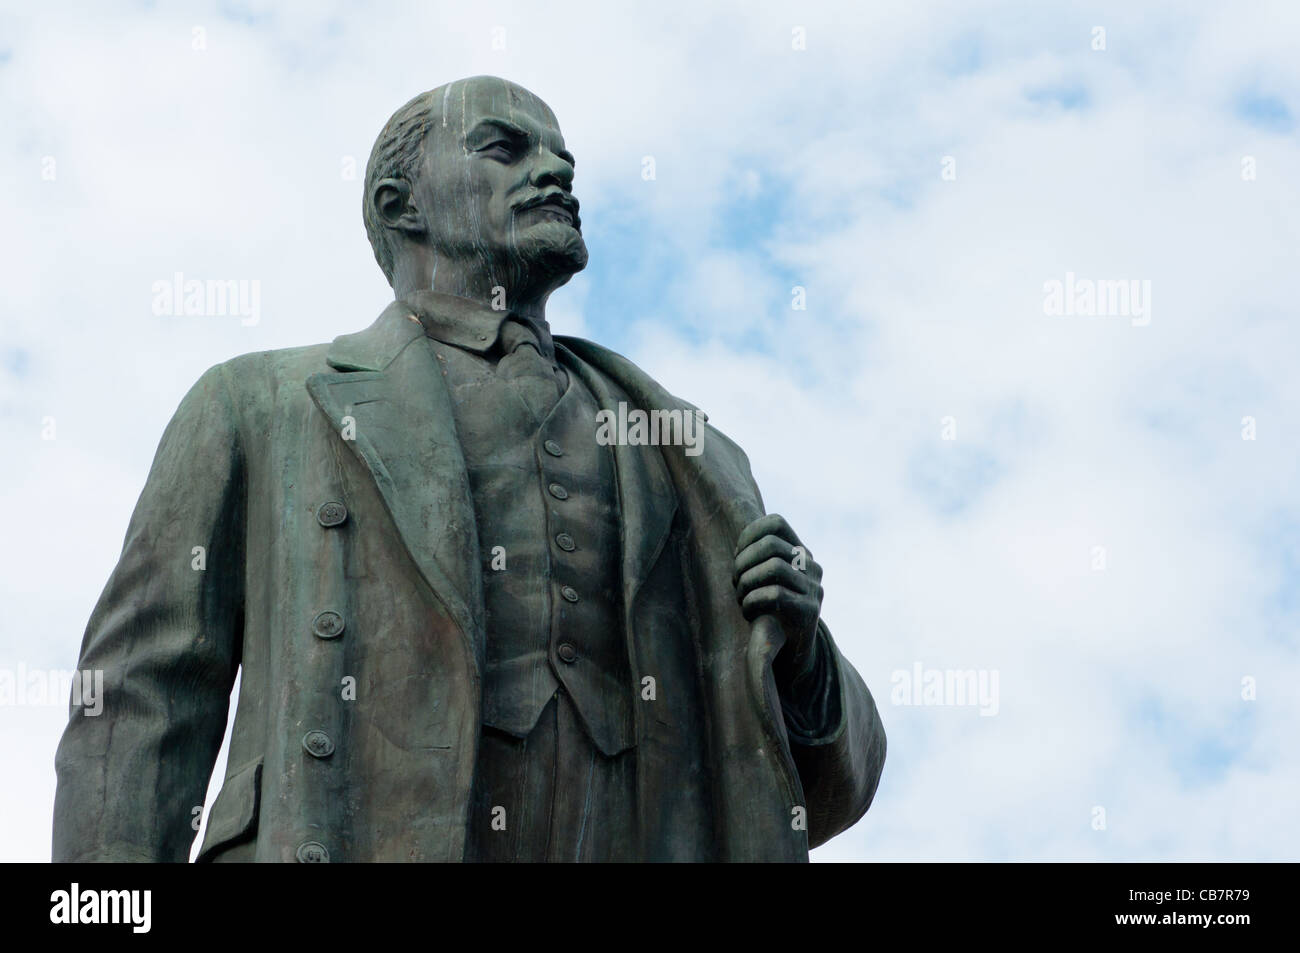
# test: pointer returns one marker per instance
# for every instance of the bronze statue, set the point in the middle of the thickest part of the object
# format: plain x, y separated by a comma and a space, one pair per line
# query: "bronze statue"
496, 595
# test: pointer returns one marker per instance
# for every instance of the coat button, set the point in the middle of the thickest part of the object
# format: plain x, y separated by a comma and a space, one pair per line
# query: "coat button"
313, 853
559, 492
565, 542
331, 513
553, 448
327, 624
318, 744
569, 593
567, 652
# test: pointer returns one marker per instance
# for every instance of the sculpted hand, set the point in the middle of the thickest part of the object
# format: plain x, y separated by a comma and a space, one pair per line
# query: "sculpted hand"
775, 574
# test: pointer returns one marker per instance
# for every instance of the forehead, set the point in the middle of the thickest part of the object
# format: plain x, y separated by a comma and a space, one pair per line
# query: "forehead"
467, 103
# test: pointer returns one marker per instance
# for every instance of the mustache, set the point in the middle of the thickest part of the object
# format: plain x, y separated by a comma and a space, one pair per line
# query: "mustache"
554, 197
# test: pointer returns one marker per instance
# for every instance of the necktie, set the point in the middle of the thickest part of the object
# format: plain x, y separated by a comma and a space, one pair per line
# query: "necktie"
538, 381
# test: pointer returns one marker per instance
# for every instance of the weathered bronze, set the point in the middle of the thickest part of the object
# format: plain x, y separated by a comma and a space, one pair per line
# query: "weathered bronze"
495, 595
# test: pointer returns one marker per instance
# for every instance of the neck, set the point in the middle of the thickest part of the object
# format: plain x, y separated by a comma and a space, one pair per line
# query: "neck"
436, 272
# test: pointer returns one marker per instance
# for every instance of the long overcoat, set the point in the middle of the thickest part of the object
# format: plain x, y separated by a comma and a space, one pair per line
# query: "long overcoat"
360, 643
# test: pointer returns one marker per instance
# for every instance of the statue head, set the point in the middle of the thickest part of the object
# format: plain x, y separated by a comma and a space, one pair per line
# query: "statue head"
469, 188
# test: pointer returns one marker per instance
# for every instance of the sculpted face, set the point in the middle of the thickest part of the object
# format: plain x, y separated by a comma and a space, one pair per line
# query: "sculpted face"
496, 186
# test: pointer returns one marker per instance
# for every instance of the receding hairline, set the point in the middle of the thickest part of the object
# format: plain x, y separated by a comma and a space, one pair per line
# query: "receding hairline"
438, 104
442, 101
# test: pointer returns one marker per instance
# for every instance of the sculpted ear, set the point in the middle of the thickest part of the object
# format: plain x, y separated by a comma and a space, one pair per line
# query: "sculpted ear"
392, 201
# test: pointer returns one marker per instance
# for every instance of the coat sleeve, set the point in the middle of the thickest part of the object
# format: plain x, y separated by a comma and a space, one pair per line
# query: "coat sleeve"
838, 751
837, 741
166, 635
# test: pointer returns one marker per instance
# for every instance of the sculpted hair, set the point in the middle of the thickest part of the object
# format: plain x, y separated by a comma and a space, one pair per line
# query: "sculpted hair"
396, 155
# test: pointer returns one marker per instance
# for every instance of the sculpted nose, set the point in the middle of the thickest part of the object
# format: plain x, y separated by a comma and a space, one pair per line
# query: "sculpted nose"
550, 169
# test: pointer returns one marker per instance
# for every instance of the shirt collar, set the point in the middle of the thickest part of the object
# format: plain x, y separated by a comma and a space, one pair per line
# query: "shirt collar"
467, 324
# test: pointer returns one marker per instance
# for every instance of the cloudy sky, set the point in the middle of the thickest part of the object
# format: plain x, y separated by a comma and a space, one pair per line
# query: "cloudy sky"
1097, 513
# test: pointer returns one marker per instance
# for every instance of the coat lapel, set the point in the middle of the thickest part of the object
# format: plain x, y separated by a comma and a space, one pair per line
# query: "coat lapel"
386, 384
645, 490
751, 748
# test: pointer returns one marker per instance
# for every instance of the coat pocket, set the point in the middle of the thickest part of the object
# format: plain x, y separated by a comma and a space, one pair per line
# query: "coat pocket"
234, 813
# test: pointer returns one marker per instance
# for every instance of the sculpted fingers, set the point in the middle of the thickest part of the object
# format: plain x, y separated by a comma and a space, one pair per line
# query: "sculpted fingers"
760, 551
773, 600
775, 547
773, 524
778, 572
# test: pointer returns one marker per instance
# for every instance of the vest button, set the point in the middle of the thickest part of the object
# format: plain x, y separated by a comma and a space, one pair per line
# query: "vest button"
559, 492
327, 624
565, 542
313, 853
553, 448
569, 593
318, 744
331, 513
567, 652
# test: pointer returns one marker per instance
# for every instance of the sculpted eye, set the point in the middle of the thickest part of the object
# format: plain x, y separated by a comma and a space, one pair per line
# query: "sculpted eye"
499, 149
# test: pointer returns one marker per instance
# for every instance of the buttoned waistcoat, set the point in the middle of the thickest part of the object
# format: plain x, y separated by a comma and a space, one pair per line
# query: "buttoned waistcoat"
545, 498
342, 577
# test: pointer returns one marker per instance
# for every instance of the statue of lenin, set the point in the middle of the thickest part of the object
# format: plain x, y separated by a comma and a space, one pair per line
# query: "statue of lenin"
470, 628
